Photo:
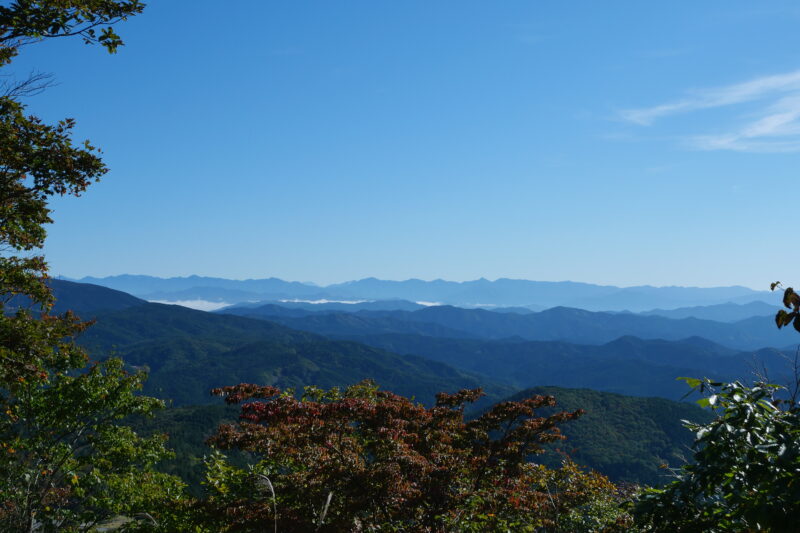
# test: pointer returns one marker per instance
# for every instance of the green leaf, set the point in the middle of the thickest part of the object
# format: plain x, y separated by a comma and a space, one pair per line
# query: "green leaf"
692, 382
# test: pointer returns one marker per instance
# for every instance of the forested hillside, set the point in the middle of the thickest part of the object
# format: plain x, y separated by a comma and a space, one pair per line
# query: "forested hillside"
187, 353
632, 440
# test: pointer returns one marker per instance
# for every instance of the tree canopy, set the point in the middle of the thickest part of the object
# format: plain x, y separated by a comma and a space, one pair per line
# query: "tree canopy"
23, 22
362, 459
66, 463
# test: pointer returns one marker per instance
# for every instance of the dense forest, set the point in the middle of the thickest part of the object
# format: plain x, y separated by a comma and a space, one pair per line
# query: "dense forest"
153, 417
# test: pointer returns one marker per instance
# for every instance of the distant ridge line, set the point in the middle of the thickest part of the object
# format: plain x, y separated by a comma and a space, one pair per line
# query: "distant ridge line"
502, 292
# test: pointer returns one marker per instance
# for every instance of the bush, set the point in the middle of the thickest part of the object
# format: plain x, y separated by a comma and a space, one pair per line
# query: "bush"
368, 460
746, 475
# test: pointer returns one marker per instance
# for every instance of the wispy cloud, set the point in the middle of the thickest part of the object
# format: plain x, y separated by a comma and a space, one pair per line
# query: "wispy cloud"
775, 127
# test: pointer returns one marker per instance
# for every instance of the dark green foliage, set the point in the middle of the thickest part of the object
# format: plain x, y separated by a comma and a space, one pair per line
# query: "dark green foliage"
188, 429
25, 21
66, 462
37, 162
631, 440
746, 475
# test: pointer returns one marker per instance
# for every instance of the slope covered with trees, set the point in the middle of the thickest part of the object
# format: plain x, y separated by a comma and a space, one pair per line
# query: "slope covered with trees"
187, 353
631, 440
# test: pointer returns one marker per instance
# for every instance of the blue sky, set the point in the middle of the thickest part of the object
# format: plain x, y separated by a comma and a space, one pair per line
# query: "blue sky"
625, 143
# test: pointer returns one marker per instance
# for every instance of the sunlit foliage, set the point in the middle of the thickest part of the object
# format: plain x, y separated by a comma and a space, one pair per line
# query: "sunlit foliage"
363, 459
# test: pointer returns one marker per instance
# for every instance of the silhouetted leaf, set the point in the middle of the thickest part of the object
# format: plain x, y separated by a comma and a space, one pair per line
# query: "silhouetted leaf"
782, 318
790, 299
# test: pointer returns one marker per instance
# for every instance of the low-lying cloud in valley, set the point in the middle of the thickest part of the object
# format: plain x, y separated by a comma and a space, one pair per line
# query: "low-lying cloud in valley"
200, 305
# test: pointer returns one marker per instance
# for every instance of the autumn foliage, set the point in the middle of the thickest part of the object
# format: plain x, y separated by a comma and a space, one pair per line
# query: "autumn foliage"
363, 459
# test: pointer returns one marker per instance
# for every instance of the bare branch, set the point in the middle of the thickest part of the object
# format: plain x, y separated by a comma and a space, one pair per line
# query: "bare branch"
35, 83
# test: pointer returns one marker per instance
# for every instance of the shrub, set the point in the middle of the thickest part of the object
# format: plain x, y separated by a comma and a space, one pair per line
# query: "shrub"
363, 459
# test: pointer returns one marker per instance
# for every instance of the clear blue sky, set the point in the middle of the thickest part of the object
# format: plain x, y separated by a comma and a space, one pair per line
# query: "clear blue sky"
622, 142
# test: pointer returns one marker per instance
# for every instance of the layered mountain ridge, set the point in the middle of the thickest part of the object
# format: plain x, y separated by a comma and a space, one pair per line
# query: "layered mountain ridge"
554, 324
628, 384
477, 293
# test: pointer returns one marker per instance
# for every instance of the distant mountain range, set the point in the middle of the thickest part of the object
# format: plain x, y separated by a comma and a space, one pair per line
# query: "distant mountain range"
478, 293
727, 312
556, 324
627, 365
418, 352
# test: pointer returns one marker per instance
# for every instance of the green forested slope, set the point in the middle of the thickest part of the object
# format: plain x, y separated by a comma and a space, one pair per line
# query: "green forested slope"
627, 438
187, 429
189, 352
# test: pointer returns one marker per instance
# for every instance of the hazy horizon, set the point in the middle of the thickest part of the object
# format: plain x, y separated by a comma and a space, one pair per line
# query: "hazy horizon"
322, 285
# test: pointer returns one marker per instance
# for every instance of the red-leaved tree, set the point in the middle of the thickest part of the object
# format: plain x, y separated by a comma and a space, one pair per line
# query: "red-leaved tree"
363, 459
